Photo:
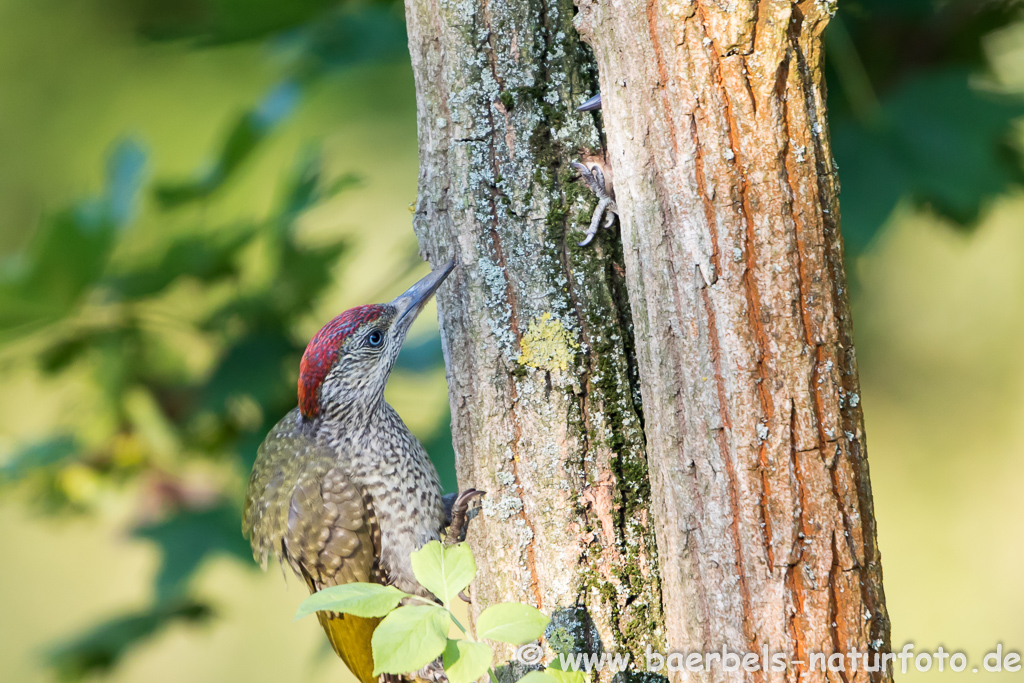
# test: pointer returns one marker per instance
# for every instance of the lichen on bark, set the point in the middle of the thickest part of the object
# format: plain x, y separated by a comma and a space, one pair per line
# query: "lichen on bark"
547, 345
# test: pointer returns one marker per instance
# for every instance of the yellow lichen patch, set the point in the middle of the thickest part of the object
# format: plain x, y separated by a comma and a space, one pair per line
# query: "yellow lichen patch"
547, 345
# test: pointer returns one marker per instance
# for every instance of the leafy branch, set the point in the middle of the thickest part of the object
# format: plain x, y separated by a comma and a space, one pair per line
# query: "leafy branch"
414, 630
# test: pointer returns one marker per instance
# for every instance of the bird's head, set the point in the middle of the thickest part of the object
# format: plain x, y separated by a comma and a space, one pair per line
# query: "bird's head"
347, 363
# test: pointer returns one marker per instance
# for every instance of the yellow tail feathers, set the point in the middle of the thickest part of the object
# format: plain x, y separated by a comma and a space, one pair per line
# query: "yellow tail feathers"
350, 637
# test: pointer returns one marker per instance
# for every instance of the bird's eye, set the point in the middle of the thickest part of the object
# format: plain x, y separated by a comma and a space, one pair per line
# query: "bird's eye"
375, 338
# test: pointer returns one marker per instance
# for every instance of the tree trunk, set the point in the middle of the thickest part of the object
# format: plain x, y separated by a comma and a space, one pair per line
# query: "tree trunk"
536, 330
732, 318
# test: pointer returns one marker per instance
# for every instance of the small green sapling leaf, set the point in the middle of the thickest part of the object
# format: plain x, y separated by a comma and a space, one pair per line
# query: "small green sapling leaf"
537, 677
466, 661
511, 622
359, 599
557, 672
444, 570
409, 638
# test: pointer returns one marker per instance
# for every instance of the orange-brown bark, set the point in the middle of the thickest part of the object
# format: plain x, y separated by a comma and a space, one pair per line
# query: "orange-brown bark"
727, 192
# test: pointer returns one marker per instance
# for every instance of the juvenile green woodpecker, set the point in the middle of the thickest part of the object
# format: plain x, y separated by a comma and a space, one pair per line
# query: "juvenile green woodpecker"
341, 490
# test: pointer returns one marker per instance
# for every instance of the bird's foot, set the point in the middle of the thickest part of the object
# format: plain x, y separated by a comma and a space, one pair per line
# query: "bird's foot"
606, 210
459, 509
431, 673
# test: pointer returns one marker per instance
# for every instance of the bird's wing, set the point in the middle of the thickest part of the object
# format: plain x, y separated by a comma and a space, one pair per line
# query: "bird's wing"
332, 539
303, 508
332, 534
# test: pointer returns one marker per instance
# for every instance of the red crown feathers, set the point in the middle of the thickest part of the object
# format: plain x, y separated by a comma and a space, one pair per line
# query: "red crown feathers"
322, 351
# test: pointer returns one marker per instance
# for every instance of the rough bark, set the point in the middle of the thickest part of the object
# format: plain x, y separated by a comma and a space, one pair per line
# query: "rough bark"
536, 331
758, 487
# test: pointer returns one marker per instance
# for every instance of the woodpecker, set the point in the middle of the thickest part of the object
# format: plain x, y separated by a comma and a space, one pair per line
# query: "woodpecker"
341, 490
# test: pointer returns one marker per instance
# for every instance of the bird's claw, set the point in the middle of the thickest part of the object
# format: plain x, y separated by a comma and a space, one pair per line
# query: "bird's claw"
593, 176
606, 210
459, 510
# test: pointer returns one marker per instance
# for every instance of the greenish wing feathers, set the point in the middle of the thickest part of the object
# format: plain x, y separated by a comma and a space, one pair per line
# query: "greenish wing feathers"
302, 507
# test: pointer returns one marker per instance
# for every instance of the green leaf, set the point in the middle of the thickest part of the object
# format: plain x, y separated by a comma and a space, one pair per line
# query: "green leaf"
512, 622
466, 661
937, 141
560, 675
354, 35
125, 173
187, 539
253, 366
70, 250
36, 456
217, 22
207, 258
409, 638
249, 131
360, 599
103, 646
444, 571
538, 677
422, 354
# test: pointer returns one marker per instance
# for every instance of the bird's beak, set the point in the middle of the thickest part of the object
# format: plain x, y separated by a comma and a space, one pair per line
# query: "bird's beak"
409, 303
593, 104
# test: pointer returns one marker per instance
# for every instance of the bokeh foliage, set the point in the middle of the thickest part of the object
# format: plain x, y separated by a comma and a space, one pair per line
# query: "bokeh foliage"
90, 309
84, 297
915, 116
915, 119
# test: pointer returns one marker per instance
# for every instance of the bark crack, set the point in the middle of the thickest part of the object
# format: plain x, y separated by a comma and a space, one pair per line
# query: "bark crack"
734, 496
709, 208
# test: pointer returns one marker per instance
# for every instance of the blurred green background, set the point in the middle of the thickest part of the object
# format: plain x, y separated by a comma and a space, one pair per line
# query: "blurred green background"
190, 188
